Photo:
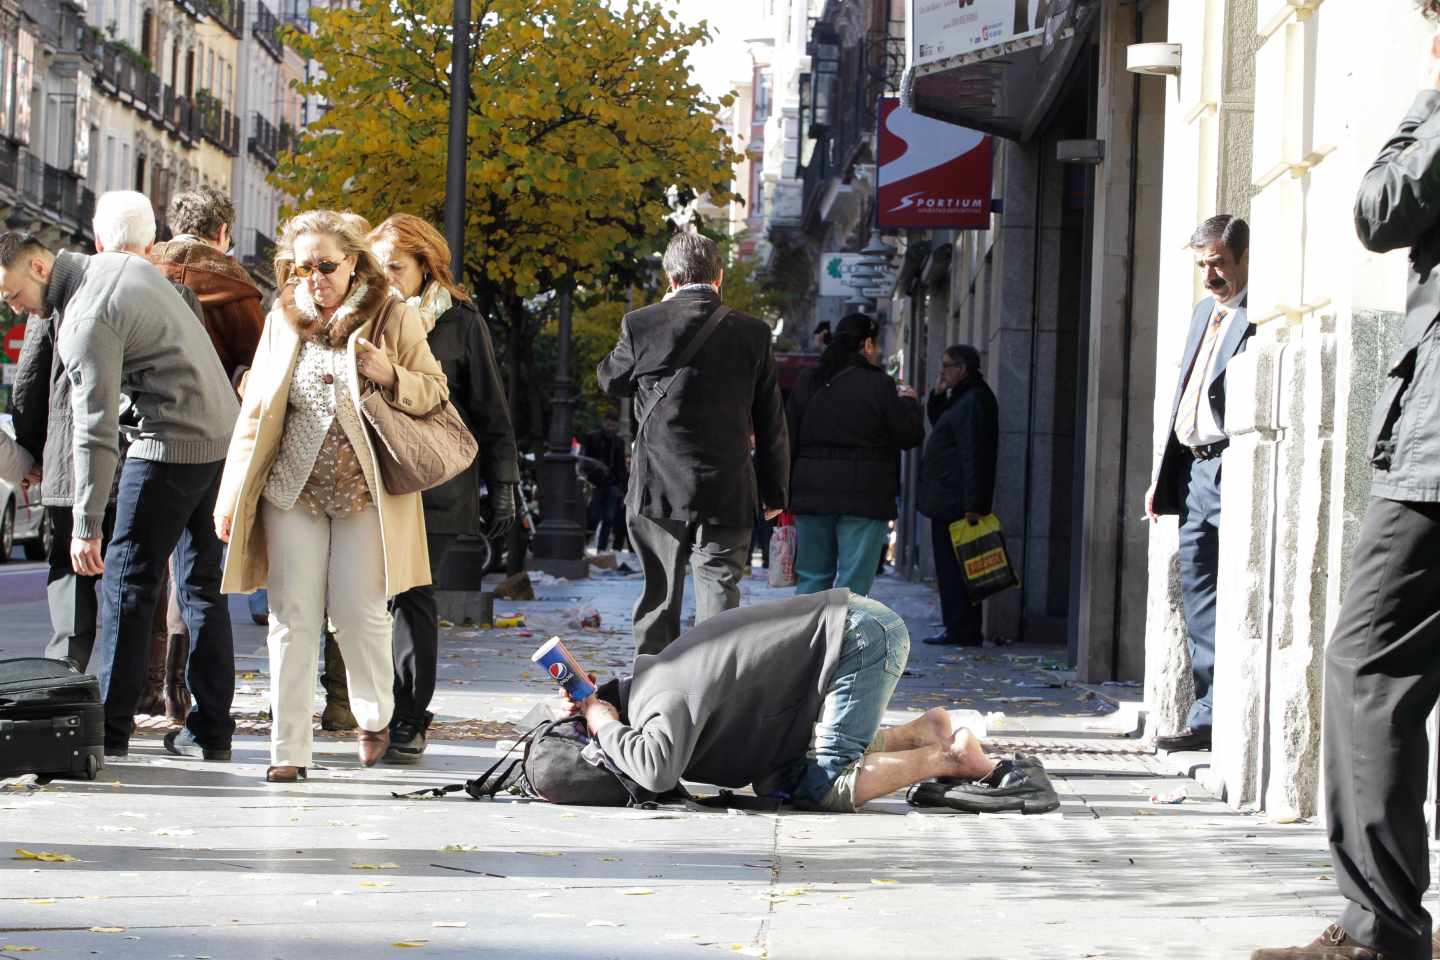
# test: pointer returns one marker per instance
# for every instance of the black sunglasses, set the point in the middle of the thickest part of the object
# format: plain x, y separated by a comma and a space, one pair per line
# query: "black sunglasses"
326, 267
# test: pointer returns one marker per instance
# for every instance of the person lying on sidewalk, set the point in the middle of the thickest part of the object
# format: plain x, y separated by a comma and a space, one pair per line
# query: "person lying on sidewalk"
787, 697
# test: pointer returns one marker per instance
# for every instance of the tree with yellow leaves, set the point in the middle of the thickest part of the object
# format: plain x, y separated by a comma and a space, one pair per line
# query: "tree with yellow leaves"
582, 114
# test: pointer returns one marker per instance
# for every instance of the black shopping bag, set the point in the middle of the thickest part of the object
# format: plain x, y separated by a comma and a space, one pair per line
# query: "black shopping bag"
980, 547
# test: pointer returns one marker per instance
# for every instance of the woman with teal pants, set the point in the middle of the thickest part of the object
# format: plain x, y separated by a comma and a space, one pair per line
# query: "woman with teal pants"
848, 423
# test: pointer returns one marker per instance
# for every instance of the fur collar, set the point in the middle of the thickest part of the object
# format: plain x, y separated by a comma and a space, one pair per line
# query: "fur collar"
362, 305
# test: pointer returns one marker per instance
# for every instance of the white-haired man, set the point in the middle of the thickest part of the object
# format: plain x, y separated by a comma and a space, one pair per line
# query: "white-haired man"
122, 324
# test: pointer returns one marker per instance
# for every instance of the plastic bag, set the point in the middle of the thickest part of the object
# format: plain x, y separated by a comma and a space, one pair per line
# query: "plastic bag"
782, 555
980, 547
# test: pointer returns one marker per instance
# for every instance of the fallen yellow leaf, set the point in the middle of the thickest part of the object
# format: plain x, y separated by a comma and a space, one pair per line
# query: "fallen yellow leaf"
377, 884
409, 943
884, 883
17, 948
107, 929
374, 866
44, 856
42, 901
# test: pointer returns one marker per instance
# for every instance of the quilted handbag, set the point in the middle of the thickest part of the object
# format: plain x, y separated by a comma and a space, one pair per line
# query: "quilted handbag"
415, 452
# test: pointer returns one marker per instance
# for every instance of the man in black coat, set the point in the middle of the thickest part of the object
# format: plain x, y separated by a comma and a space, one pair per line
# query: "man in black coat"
957, 481
1187, 482
693, 493
1382, 675
608, 477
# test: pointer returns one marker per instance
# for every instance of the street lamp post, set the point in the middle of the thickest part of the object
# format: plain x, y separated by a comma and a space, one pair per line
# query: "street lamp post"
559, 546
459, 140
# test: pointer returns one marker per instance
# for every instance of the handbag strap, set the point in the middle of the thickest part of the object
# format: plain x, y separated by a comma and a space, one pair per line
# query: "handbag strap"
686, 355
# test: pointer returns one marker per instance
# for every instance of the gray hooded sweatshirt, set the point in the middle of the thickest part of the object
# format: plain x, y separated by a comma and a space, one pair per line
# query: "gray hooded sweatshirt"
735, 699
125, 329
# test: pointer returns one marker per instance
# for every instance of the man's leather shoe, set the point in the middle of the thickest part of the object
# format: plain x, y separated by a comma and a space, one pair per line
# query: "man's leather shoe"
943, 640
1333, 944
1188, 739
372, 745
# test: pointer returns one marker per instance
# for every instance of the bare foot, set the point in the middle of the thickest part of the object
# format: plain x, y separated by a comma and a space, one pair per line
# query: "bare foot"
967, 756
938, 721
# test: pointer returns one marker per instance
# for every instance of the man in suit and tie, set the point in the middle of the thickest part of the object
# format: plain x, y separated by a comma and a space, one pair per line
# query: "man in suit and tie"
703, 378
1187, 483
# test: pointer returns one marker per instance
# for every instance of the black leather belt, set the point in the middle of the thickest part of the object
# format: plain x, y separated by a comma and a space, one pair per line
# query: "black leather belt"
1210, 450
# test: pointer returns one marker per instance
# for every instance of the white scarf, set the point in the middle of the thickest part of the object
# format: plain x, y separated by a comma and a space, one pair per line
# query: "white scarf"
432, 302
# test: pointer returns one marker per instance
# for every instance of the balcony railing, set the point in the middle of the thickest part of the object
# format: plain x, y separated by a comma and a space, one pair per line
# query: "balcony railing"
289, 139
230, 14
264, 140
267, 32
9, 164
260, 256
152, 92
61, 194
32, 177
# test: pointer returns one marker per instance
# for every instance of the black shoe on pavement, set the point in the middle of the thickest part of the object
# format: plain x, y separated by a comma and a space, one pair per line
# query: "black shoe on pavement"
943, 640
118, 752
407, 742
182, 743
1010, 788
1190, 738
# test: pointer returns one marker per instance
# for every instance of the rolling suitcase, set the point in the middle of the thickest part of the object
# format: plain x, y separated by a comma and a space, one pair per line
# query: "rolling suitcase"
51, 720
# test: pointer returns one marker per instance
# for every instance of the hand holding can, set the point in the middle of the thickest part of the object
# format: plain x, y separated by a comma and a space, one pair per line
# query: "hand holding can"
564, 669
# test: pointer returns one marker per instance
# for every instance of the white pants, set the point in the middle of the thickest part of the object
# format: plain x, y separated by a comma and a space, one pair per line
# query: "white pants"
319, 564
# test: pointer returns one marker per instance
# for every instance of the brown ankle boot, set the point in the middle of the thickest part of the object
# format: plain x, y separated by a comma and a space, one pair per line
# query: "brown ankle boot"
1333, 944
337, 715
152, 699
177, 693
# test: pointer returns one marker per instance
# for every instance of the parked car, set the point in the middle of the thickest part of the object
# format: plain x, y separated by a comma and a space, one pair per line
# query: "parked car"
23, 519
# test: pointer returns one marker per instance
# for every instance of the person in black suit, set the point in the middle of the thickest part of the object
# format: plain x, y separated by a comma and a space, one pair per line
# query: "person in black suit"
1187, 483
693, 493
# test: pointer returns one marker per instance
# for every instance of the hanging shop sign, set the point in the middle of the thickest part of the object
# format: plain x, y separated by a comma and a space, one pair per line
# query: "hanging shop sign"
939, 29
835, 271
931, 174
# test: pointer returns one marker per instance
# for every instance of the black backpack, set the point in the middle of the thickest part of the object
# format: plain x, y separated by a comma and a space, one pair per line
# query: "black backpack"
561, 763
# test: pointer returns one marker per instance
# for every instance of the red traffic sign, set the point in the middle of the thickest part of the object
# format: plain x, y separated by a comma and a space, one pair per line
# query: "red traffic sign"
14, 340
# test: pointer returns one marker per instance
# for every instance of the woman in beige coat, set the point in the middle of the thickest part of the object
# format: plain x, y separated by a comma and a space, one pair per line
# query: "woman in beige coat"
301, 501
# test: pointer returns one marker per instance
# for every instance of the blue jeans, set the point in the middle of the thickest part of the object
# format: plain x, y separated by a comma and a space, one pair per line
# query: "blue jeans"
872, 658
166, 508
837, 551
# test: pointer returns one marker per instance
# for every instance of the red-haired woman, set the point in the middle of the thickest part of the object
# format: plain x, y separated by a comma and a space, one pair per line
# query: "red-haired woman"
417, 262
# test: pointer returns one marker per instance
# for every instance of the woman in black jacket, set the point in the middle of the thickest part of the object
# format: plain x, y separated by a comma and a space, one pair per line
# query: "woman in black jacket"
417, 261
848, 423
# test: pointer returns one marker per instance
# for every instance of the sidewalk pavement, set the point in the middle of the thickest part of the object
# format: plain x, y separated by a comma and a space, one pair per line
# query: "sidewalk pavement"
180, 858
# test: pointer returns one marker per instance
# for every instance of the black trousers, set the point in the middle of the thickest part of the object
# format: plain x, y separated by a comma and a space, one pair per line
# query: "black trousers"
166, 508
1200, 579
719, 555
73, 600
1382, 679
415, 640
964, 621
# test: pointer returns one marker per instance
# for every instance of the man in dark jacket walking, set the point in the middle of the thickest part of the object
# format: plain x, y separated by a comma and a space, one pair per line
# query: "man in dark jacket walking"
957, 482
693, 494
1382, 675
608, 477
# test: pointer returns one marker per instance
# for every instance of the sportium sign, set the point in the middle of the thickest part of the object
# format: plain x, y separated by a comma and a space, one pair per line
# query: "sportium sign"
940, 29
931, 174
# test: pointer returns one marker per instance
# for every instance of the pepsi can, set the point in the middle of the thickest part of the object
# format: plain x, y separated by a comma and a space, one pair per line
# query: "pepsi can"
561, 665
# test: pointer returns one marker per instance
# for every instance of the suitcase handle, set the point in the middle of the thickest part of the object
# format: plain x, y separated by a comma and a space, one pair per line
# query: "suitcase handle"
54, 723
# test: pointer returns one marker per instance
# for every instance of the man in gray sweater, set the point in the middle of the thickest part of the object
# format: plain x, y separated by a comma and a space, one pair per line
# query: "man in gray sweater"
124, 328
787, 697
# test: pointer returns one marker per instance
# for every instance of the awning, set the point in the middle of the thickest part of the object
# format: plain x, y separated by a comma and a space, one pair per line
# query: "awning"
1006, 88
